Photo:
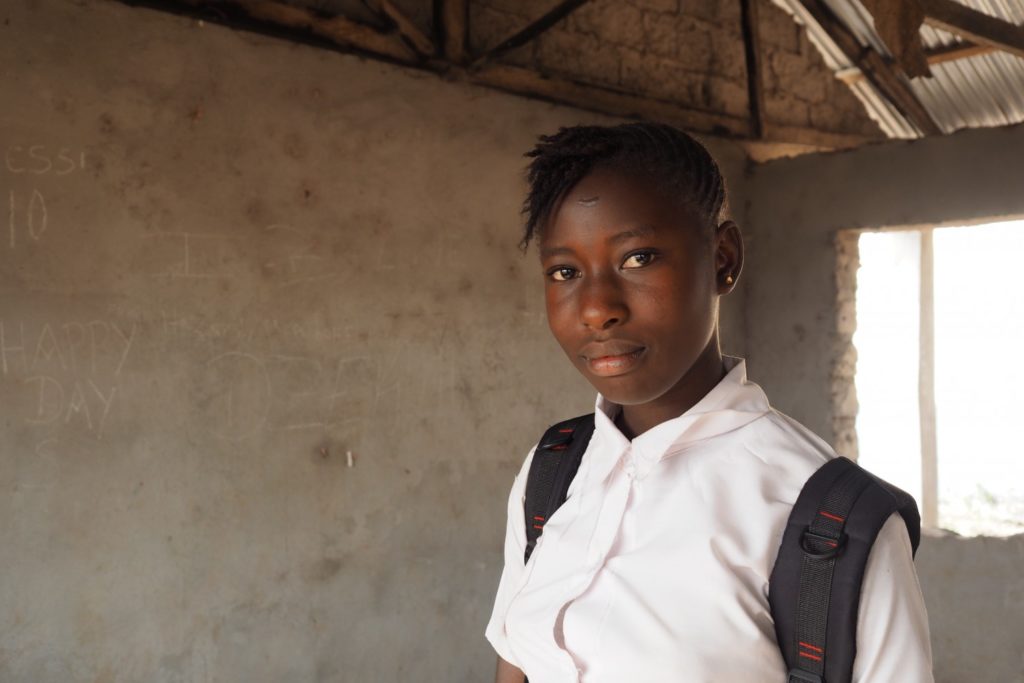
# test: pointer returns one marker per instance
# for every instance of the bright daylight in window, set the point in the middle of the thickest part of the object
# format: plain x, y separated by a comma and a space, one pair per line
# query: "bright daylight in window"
951, 358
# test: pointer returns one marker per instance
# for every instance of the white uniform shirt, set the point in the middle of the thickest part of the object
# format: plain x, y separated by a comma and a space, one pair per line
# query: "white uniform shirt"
656, 567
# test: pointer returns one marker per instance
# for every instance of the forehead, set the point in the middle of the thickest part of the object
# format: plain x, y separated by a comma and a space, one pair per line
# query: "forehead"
608, 201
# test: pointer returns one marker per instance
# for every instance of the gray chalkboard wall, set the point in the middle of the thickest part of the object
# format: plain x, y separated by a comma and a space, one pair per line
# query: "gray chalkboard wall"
269, 356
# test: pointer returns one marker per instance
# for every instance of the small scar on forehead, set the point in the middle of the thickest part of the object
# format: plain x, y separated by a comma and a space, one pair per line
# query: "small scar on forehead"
588, 201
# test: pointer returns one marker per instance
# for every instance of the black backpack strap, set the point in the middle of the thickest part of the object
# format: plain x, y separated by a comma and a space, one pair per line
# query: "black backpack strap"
814, 590
555, 463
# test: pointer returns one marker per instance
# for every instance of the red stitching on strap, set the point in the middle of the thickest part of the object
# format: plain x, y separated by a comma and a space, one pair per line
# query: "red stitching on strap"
538, 526
831, 516
538, 518
810, 647
566, 431
814, 657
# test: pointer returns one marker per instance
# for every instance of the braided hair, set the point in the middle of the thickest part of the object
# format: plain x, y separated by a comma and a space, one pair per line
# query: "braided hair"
680, 164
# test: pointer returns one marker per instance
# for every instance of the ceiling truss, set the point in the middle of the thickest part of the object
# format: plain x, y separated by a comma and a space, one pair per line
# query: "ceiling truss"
447, 52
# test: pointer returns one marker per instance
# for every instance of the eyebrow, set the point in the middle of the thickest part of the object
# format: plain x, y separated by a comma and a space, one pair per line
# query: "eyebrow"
638, 231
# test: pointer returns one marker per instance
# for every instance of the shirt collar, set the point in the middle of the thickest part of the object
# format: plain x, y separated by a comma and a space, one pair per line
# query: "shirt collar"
732, 403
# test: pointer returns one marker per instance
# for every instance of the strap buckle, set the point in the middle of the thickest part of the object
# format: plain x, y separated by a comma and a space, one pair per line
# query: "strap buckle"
801, 676
832, 546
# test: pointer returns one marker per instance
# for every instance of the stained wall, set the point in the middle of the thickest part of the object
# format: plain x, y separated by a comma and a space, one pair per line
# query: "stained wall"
269, 355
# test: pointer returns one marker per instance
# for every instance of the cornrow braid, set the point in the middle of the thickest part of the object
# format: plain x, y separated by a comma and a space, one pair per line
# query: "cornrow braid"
681, 164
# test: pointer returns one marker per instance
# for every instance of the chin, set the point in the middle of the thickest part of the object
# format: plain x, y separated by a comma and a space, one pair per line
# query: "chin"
625, 390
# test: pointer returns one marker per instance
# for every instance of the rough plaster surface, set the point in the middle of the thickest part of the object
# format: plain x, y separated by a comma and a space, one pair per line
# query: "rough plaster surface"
227, 263
798, 334
689, 52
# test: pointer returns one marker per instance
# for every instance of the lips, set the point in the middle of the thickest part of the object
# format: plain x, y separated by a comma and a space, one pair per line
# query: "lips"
612, 357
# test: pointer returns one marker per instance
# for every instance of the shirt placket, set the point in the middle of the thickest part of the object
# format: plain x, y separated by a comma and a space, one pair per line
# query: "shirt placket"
605, 530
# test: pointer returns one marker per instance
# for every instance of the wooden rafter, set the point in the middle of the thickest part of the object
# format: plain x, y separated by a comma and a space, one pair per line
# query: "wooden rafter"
416, 39
949, 53
338, 30
531, 31
974, 26
605, 100
626, 105
452, 20
752, 48
348, 35
888, 79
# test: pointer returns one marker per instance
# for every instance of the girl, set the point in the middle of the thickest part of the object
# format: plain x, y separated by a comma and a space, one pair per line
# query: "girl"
656, 566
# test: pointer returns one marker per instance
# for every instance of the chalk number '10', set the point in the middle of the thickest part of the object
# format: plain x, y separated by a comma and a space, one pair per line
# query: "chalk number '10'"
27, 213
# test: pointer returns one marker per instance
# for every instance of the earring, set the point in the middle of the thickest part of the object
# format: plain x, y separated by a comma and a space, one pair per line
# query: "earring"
728, 279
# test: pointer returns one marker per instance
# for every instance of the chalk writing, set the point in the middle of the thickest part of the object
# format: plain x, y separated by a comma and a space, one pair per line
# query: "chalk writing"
72, 346
300, 260
194, 255
26, 216
56, 402
69, 371
250, 394
42, 160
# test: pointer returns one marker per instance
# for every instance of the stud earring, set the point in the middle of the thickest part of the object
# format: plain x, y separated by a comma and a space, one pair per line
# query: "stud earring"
728, 279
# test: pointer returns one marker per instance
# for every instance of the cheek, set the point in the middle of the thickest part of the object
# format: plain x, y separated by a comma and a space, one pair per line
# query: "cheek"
558, 311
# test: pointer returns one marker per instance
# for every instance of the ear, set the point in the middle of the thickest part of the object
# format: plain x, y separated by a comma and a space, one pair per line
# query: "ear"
728, 255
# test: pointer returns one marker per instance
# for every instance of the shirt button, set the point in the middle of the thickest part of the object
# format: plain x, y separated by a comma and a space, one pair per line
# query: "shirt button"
630, 470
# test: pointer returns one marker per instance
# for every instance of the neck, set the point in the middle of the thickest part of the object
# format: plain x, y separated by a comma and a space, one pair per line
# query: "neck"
701, 378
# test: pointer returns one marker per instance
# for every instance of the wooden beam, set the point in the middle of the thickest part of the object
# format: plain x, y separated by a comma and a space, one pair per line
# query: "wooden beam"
949, 53
975, 26
452, 17
559, 90
888, 80
812, 137
347, 35
752, 47
607, 101
532, 30
338, 30
416, 39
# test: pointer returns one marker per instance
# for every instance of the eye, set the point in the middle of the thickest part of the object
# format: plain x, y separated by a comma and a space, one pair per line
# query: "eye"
562, 273
638, 259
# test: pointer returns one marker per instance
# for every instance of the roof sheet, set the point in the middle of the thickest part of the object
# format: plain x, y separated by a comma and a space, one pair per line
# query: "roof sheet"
974, 92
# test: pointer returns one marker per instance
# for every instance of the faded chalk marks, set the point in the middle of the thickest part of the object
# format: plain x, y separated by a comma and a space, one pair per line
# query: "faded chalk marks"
191, 255
241, 399
27, 217
43, 160
65, 373
27, 213
57, 402
94, 347
299, 258
246, 395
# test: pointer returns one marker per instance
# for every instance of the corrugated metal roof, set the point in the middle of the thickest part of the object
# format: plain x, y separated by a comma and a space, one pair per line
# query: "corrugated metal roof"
973, 92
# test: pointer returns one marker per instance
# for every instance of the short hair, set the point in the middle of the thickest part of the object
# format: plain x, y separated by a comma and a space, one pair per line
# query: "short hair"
681, 164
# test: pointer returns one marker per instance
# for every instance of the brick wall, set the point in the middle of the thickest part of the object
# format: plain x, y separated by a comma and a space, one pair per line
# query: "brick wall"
684, 51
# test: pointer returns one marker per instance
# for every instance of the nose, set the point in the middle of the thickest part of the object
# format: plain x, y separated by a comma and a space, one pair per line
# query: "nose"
602, 304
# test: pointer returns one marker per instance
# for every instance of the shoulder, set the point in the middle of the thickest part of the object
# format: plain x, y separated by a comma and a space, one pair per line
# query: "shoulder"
783, 450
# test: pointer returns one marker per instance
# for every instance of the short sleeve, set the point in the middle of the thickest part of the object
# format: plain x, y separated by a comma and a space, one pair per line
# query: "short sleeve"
512, 574
892, 632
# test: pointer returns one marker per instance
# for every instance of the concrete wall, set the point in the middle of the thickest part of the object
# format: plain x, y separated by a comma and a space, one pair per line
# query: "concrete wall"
797, 347
226, 262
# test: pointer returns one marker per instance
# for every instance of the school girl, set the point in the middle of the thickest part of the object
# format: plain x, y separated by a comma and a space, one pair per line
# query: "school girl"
656, 567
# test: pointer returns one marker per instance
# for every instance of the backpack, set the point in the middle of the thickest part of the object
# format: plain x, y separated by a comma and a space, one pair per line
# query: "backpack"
814, 588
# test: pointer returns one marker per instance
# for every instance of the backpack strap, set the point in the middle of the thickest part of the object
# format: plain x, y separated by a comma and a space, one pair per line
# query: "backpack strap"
555, 463
814, 589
